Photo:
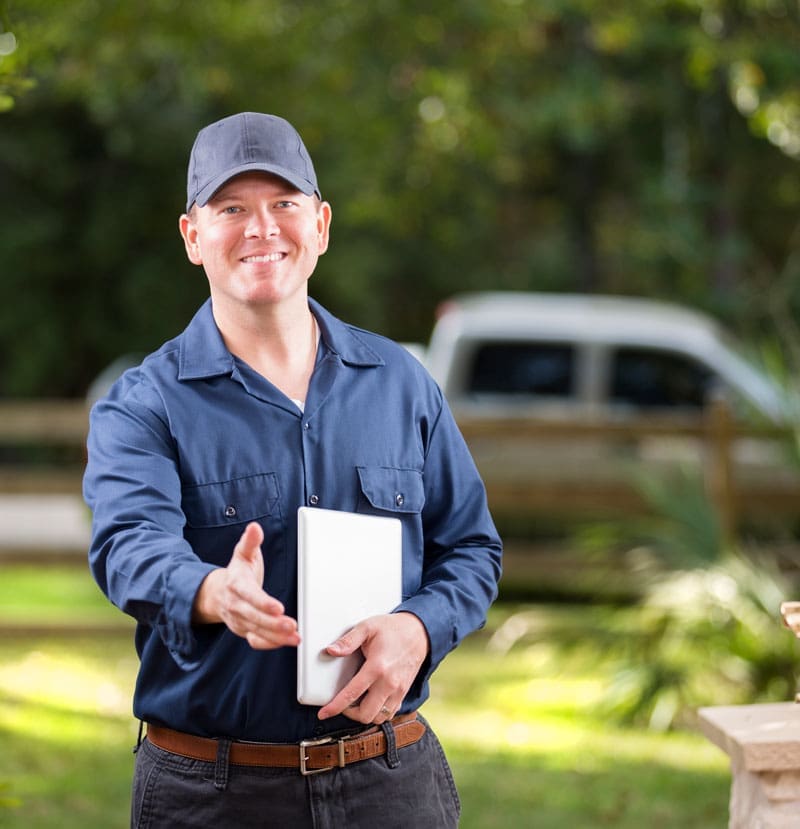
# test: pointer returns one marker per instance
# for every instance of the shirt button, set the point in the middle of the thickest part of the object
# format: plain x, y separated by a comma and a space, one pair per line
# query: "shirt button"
306, 425
399, 499
313, 500
230, 511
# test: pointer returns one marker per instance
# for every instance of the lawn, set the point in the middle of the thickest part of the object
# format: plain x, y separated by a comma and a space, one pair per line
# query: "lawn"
520, 728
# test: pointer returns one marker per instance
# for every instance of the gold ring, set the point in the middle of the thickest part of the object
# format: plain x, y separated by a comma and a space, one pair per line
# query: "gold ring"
386, 712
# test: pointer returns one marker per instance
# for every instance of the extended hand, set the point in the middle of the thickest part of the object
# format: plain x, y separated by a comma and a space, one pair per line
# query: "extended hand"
394, 647
234, 595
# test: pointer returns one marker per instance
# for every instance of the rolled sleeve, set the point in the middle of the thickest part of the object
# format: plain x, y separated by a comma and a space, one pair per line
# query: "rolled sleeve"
463, 552
138, 555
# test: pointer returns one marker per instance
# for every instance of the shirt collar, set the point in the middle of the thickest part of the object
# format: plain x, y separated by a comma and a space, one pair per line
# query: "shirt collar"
343, 340
202, 352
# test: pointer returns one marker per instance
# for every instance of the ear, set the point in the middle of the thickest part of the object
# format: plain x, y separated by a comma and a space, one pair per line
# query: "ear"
324, 216
188, 231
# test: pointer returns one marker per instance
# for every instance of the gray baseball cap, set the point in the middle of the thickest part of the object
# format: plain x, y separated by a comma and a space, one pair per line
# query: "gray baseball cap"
242, 143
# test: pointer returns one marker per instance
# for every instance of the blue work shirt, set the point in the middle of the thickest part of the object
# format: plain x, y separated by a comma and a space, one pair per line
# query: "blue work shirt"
193, 444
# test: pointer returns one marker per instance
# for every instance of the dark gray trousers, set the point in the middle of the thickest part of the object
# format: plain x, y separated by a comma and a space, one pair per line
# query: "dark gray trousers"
418, 792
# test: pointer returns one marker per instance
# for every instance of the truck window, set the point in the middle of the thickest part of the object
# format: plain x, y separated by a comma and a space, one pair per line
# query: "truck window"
649, 378
545, 369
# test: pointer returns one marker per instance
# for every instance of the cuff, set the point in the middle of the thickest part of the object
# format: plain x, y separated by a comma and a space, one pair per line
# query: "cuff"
185, 641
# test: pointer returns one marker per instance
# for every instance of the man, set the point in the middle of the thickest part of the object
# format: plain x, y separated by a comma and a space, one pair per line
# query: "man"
198, 461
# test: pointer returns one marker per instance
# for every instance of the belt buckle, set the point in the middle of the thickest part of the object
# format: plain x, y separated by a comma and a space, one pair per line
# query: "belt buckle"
304, 744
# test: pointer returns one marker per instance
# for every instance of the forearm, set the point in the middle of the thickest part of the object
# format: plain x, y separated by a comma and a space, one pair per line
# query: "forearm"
462, 557
454, 597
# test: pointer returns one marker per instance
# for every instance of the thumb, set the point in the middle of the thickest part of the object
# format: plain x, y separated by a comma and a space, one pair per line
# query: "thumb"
248, 547
348, 642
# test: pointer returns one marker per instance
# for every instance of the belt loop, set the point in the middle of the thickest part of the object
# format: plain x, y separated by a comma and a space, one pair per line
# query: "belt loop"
139, 737
221, 767
392, 757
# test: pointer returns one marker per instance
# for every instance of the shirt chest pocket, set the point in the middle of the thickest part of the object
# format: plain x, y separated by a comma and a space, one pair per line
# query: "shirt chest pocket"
399, 493
217, 513
225, 503
389, 489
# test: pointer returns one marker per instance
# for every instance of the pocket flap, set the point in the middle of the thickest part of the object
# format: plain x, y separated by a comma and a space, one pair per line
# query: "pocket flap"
230, 502
392, 489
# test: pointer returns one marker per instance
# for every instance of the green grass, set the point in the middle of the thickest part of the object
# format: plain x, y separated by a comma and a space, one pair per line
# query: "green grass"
60, 594
521, 731
525, 740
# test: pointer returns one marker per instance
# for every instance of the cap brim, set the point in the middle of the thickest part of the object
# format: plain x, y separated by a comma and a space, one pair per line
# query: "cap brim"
205, 193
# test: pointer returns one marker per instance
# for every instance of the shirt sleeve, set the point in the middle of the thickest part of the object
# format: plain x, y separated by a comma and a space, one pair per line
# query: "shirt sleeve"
138, 554
463, 552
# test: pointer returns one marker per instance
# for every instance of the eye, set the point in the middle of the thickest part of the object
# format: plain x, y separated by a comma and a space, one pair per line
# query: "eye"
284, 203
231, 210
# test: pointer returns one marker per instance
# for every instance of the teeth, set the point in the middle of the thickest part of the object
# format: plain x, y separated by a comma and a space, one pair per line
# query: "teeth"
272, 257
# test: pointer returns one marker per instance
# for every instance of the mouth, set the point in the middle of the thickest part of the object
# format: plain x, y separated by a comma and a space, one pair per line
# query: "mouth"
263, 258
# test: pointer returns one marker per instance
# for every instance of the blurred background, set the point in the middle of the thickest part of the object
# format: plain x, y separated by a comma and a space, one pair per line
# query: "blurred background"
641, 148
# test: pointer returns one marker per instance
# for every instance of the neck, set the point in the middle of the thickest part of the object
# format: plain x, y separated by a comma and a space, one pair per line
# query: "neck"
282, 347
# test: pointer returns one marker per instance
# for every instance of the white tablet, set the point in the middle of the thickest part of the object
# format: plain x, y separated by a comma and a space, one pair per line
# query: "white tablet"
349, 567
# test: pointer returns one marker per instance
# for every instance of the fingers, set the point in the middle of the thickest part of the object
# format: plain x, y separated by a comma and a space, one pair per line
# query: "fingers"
386, 713
266, 631
394, 647
373, 706
360, 700
349, 642
365, 712
259, 618
283, 633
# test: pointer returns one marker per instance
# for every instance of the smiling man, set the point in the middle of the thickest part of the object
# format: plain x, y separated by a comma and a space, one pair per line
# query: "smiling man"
198, 462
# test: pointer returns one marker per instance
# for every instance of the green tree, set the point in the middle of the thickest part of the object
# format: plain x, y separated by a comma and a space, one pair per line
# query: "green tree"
643, 147
13, 80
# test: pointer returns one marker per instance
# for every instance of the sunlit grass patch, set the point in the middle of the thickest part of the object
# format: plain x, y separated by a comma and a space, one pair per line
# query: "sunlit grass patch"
52, 593
518, 703
521, 725
525, 731
66, 730
506, 790
59, 696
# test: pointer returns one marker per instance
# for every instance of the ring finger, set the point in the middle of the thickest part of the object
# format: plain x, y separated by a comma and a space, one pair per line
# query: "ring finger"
385, 713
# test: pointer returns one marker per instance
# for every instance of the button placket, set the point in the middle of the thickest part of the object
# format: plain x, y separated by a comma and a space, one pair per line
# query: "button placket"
313, 499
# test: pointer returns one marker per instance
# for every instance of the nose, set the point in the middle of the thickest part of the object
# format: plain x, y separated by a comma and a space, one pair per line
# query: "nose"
261, 224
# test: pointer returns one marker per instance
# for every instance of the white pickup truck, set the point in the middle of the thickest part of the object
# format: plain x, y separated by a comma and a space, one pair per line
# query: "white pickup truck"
582, 356
563, 370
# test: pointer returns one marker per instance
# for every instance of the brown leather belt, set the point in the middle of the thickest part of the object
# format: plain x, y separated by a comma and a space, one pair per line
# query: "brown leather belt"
309, 756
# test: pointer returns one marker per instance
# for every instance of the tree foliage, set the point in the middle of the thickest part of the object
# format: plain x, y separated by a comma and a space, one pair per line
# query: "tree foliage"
635, 146
13, 81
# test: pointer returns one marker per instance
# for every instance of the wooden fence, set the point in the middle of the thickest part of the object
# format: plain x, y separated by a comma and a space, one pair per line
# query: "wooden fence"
716, 438
42, 424
54, 423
